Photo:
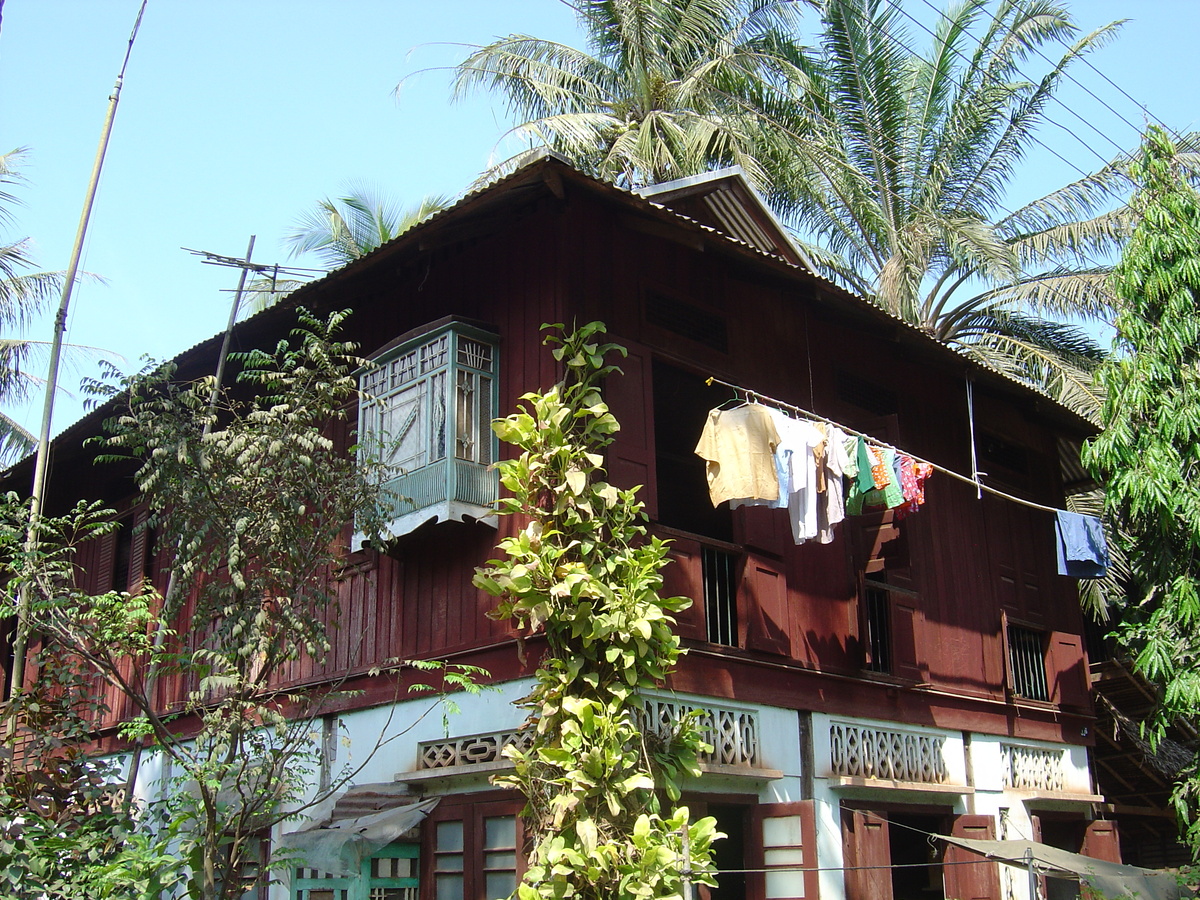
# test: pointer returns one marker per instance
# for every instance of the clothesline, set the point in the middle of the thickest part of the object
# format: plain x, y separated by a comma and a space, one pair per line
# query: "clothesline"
809, 414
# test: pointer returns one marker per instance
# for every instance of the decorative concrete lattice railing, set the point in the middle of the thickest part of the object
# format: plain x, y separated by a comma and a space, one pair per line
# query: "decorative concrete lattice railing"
1032, 768
733, 734
871, 752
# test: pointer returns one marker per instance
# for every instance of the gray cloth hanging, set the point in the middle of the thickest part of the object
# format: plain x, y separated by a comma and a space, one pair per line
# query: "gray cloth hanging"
1111, 880
339, 846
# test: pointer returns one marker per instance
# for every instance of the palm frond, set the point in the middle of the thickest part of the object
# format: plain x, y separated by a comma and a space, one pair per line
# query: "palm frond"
348, 228
1057, 359
15, 442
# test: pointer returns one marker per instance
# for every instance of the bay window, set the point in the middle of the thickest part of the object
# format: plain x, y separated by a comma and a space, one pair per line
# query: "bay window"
426, 419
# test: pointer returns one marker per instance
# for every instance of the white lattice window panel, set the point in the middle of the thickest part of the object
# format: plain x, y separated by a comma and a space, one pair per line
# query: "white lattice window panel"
1032, 768
465, 751
733, 733
868, 752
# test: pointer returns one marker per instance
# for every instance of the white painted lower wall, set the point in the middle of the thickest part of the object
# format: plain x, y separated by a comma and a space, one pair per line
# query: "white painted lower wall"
974, 773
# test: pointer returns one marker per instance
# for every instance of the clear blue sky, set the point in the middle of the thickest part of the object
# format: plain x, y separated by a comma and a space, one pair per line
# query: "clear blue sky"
237, 115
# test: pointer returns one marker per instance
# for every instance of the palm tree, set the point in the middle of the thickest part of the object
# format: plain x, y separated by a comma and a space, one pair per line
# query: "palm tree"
896, 165
666, 89
339, 232
23, 294
343, 230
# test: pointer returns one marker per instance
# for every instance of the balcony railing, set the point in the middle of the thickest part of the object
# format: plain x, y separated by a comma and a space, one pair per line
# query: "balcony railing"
1032, 768
733, 734
885, 753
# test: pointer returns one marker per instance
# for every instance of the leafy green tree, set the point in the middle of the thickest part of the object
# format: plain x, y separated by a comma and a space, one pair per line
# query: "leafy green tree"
583, 573
896, 165
1148, 455
66, 832
253, 507
666, 88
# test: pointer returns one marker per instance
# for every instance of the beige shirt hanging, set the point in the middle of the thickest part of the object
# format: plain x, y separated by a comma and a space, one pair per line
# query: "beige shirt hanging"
738, 447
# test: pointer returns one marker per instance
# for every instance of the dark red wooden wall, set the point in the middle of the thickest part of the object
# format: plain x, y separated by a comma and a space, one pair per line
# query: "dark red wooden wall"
969, 562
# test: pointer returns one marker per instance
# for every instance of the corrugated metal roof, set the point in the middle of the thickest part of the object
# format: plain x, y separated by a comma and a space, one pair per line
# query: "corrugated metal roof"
743, 233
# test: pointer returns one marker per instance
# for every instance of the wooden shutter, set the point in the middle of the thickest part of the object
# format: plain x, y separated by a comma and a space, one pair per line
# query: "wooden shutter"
1101, 840
906, 618
1009, 684
867, 856
764, 602
137, 550
630, 397
100, 579
684, 576
967, 875
1068, 674
784, 839
763, 528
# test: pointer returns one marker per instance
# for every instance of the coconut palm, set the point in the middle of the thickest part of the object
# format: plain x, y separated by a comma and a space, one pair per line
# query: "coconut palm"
343, 230
895, 164
666, 88
23, 293
340, 231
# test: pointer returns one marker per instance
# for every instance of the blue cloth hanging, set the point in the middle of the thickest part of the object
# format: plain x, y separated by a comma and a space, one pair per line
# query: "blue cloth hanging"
1082, 548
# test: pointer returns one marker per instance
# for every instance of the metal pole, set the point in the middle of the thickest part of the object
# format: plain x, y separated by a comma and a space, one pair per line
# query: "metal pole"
1033, 881
975, 473
233, 314
686, 872
41, 462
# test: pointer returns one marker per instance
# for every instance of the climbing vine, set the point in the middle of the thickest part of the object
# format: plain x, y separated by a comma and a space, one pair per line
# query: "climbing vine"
602, 788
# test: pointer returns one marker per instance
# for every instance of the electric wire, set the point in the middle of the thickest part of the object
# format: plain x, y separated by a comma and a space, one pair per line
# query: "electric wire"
874, 131
1145, 110
816, 417
1066, 74
894, 4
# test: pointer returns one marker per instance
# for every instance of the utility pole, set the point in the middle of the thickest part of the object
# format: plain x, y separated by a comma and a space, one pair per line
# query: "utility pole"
42, 460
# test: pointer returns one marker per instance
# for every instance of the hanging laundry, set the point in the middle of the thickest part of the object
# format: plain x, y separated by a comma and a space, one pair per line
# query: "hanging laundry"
783, 453
1081, 545
796, 468
831, 505
875, 464
914, 489
803, 438
738, 447
819, 453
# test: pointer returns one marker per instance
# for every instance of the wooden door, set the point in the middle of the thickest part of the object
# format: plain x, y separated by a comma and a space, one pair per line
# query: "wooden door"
867, 855
965, 874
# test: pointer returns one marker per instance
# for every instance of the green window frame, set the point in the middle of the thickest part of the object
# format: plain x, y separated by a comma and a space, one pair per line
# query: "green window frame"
391, 874
427, 415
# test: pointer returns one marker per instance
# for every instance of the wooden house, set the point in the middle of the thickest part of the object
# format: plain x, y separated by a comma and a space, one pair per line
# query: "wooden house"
909, 678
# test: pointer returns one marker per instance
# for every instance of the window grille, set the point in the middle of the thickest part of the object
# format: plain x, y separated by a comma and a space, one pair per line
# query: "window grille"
877, 622
391, 874
720, 595
1027, 663
688, 320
